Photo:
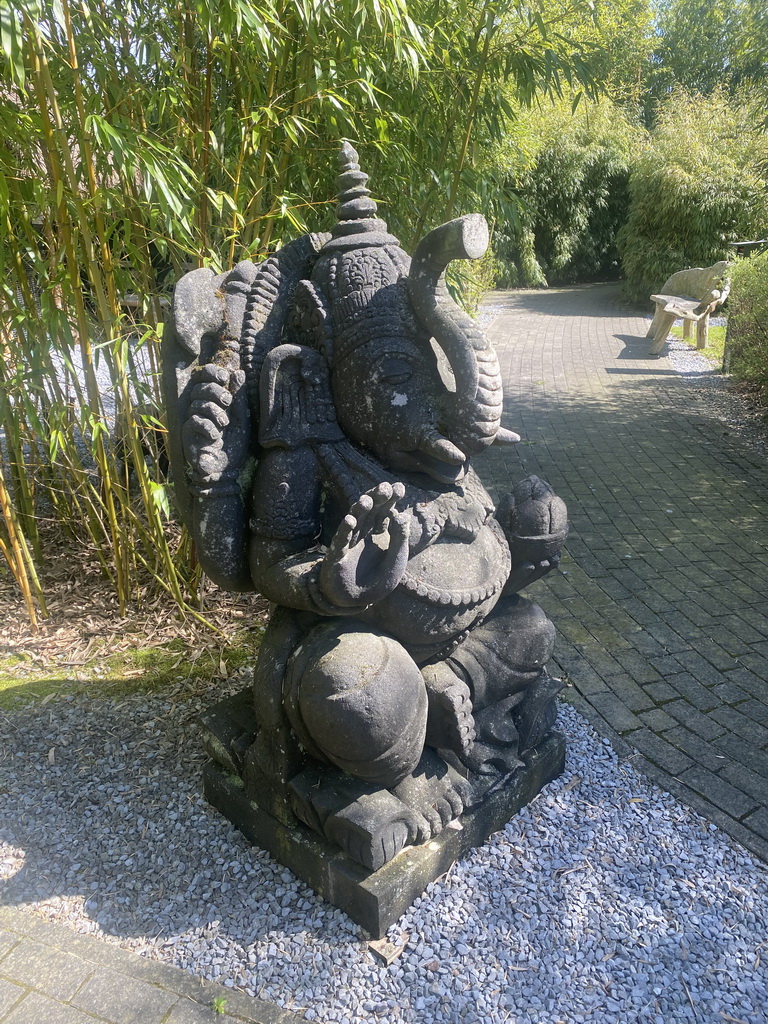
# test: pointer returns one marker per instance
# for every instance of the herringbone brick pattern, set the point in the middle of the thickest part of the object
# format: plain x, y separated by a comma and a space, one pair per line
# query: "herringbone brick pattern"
662, 602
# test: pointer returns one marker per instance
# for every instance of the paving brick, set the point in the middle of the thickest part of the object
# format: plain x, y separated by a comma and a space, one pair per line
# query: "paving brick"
657, 720
756, 760
56, 973
669, 639
8, 940
615, 712
689, 631
699, 668
716, 654
750, 682
724, 638
107, 995
748, 782
666, 665
756, 617
721, 793
634, 696
591, 685
692, 691
744, 727
643, 642
759, 822
660, 752
10, 994
698, 749
187, 1012
660, 693
602, 662
694, 720
37, 1008
638, 667
754, 709
756, 663
743, 630
611, 639
729, 693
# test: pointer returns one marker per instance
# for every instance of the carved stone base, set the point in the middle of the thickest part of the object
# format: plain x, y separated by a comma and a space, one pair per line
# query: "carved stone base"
373, 899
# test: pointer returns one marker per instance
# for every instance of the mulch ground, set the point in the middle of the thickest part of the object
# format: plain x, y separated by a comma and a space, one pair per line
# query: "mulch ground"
85, 622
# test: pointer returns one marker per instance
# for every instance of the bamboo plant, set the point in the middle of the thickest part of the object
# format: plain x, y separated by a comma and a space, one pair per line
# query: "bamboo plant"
146, 138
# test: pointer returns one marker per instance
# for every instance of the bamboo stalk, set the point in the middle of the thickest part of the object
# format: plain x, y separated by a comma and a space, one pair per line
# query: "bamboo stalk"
17, 553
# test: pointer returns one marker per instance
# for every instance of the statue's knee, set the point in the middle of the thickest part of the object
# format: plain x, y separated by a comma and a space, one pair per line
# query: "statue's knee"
356, 698
508, 652
530, 632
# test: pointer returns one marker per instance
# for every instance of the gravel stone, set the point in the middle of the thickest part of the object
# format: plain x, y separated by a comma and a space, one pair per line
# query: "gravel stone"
604, 899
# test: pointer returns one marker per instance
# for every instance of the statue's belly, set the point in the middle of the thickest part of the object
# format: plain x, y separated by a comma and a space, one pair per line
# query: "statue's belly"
447, 587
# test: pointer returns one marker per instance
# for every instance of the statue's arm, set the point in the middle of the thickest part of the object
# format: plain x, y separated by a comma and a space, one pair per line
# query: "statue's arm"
216, 470
290, 567
284, 553
535, 522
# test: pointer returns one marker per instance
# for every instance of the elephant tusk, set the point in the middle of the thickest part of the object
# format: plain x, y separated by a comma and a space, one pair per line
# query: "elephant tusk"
504, 436
443, 449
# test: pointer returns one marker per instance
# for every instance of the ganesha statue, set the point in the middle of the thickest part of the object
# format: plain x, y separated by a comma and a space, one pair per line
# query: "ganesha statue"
324, 406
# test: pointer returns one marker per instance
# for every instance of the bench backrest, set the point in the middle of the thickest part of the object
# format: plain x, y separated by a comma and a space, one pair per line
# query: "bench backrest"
696, 282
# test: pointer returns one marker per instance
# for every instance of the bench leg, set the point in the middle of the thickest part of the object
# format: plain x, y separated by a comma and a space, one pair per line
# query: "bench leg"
661, 331
654, 323
702, 331
687, 324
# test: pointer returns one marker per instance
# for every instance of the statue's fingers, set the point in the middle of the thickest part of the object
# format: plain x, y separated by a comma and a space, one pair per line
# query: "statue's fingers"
211, 373
343, 538
212, 392
362, 511
210, 411
399, 525
395, 559
383, 504
210, 465
422, 830
382, 493
202, 426
455, 804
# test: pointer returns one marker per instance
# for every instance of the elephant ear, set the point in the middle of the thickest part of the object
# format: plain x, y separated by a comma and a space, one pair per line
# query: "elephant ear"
206, 312
295, 397
232, 320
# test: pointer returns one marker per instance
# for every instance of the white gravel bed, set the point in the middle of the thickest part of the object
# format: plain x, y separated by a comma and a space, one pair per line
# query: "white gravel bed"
603, 901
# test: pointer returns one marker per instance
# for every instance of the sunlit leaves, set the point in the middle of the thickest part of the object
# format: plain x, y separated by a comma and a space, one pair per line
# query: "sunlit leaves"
700, 185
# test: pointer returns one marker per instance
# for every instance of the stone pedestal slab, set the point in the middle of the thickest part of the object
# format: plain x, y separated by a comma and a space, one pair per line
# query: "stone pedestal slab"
376, 900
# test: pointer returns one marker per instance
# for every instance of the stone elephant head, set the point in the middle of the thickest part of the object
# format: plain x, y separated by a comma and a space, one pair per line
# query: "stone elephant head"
341, 329
412, 377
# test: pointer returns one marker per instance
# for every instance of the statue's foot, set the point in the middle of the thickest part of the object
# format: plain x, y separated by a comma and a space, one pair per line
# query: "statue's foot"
435, 794
370, 825
450, 723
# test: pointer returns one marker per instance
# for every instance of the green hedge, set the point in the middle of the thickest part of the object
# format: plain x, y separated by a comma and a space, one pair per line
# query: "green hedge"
696, 187
573, 195
747, 348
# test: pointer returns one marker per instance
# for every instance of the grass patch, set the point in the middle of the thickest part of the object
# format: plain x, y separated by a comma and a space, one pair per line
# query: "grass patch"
715, 342
104, 674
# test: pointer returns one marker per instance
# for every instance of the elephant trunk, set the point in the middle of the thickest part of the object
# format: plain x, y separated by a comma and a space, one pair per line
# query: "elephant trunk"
475, 410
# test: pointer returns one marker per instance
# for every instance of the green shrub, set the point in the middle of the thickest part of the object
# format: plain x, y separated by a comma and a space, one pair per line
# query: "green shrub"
747, 348
573, 196
697, 186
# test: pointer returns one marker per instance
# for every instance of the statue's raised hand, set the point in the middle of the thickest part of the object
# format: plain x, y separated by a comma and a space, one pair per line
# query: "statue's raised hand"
368, 554
216, 434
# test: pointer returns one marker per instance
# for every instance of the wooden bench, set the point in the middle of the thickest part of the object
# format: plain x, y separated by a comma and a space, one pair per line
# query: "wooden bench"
692, 294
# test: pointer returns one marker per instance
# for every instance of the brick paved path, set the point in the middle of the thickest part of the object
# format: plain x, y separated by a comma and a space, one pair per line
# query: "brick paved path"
48, 975
662, 607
